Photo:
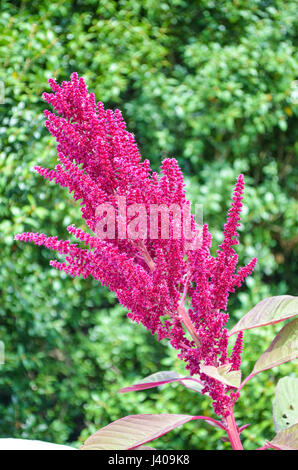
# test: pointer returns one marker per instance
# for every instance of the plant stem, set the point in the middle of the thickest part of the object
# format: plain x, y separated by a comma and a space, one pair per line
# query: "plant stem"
146, 255
188, 325
184, 315
233, 432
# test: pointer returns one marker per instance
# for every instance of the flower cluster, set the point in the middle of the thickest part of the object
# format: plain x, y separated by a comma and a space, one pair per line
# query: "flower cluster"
153, 278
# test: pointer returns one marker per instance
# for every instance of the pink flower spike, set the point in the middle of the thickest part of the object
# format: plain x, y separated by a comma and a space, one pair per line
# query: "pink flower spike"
233, 218
243, 273
166, 280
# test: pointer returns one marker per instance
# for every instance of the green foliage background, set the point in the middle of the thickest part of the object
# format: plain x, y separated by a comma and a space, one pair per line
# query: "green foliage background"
211, 83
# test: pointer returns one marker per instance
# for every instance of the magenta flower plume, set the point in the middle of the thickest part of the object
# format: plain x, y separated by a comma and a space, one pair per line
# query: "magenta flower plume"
155, 274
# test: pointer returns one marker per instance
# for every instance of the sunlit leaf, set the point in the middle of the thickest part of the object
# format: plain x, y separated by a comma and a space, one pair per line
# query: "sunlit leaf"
133, 431
283, 348
223, 374
285, 405
267, 312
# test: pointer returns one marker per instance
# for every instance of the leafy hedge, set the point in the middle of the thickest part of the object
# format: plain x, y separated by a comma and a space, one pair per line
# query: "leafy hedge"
210, 83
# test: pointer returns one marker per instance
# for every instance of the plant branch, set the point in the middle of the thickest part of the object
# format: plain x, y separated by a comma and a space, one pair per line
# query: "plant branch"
250, 376
184, 315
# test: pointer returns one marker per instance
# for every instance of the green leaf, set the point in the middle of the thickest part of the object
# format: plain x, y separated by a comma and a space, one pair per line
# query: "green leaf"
267, 312
287, 439
283, 348
223, 374
285, 405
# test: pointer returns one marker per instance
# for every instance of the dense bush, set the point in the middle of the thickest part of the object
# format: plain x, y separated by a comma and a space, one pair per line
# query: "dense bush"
210, 83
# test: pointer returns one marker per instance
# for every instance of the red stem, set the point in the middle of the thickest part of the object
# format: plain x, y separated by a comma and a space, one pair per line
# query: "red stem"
233, 432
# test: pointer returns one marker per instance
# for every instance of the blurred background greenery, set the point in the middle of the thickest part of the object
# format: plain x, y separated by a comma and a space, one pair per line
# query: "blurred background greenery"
211, 83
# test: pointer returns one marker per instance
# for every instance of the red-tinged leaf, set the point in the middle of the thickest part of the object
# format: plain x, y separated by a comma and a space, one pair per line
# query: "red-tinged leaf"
135, 430
283, 348
287, 439
162, 378
153, 380
192, 383
267, 312
223, 374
